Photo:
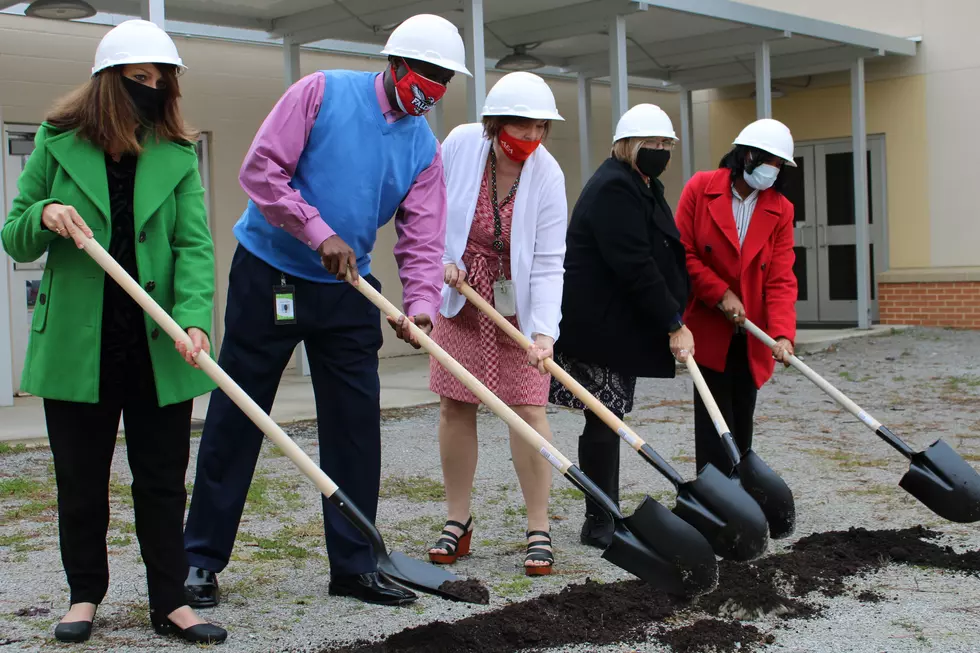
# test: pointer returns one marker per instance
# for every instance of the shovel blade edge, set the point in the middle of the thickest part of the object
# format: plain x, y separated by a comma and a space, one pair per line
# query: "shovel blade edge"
945, 483
771, 493
724, 513
662, 549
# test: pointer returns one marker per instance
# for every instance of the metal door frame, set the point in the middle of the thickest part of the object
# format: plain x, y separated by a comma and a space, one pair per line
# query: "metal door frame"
805, 235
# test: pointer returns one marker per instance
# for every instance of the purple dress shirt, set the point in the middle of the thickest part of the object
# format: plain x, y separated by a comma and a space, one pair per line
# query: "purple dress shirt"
420, 221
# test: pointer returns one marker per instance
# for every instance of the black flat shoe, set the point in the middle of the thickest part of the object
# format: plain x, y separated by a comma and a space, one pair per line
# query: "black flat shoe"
201, 588
597, 531
199, 634
73, 631
371, 588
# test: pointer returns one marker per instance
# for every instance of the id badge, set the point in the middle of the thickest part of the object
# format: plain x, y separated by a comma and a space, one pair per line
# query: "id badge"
285, 305
503, 297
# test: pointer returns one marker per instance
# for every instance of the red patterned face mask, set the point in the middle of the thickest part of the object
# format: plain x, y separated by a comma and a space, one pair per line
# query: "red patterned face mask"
416, 94
515, 148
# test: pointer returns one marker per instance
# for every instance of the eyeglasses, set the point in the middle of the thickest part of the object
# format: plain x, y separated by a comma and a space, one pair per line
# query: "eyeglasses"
665, 144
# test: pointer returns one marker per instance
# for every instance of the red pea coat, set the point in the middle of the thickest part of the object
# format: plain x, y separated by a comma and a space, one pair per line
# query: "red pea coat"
760, 272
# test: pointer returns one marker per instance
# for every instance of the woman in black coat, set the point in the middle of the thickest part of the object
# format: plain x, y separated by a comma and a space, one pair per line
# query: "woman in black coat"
626, 286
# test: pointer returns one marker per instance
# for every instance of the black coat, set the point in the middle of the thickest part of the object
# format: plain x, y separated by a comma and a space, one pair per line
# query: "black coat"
625, 275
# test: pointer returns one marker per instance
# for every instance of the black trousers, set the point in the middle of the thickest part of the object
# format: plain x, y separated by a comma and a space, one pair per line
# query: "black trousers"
83, 439
735, 393
341, 330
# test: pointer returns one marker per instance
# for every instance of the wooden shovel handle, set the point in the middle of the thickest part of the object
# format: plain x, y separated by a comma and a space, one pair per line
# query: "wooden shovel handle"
591, 402
709, 400
211, 368
820, 382
490, 400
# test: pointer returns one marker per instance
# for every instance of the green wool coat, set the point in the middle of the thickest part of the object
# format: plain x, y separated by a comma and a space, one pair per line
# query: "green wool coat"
174, 256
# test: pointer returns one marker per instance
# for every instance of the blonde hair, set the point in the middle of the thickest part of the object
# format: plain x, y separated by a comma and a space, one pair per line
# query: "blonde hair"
627, 149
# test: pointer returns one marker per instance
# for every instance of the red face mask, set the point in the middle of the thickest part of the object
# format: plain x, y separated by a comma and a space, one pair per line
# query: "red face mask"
416, 94
515, 148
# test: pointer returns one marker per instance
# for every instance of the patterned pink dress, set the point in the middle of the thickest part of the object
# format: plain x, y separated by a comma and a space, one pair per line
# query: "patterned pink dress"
472, 338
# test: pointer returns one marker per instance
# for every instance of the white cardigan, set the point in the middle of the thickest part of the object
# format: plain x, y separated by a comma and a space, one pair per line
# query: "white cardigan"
540, 218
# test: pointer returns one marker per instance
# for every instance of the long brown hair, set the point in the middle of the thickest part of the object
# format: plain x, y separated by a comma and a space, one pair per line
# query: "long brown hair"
103, 113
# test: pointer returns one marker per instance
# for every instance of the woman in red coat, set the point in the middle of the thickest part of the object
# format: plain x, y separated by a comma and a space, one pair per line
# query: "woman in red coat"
737, 228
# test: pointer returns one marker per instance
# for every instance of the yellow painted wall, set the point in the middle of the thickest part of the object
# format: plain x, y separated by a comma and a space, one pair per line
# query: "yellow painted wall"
896, 108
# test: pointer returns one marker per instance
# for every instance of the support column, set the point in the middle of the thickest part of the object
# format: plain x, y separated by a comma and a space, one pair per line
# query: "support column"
476, 59
687, 134
153, 11
618, 85
859, 144
763, 82
437, 119
290, 60
585, 126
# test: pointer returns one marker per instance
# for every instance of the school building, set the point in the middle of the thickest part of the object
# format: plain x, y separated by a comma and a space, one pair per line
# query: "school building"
893, 240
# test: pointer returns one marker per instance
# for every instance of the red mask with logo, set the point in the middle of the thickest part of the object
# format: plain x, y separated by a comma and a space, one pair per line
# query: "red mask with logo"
515, 148
416, 94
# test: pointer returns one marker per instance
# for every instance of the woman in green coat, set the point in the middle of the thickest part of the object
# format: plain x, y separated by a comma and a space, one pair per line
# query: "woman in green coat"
114, 162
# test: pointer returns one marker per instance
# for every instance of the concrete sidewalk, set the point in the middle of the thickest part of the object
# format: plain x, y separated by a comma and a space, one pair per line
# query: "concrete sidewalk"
404, 383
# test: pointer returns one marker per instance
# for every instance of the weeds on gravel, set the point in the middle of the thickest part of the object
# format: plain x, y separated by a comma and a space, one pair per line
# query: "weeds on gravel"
513, 587
418, 489
21, 542
12, 448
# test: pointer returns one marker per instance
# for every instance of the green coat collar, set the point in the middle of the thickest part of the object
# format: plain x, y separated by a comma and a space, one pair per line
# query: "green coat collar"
159, 169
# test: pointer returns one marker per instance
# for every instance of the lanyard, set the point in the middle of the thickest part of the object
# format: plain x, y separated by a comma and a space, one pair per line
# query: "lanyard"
498, 244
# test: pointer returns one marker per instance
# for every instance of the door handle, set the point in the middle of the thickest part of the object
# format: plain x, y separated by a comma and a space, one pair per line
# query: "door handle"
822, 244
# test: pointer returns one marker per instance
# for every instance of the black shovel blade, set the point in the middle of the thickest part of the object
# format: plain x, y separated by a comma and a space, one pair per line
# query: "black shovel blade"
724, 513
397, 566
771, 493
944, 483
418, 575
664, 550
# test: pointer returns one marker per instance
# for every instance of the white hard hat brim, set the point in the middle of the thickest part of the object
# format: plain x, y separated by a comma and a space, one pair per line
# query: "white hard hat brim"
181, 68
530, 114
427, 57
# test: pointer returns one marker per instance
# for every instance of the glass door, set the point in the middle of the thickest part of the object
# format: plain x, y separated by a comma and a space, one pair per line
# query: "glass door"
836, 231
24, 278
799, 189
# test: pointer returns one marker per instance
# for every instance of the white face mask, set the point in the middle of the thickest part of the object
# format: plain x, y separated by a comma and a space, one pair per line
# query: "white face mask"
763, 177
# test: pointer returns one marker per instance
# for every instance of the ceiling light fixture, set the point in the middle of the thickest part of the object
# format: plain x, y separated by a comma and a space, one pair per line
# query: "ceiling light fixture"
60, 9
519, 59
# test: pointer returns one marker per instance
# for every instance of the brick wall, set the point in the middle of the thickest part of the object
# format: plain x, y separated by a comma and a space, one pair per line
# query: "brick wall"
948, 304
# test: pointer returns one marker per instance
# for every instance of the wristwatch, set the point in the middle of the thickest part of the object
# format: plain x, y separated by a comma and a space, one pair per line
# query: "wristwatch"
675, 325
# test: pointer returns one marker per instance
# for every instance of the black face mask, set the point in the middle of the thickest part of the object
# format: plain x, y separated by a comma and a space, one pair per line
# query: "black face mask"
149, 101
652, 162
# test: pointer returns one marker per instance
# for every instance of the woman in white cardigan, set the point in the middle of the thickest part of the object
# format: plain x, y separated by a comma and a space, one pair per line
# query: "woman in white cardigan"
505, 236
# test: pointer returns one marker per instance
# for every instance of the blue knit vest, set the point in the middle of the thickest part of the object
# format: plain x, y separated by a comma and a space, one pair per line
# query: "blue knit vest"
356, 170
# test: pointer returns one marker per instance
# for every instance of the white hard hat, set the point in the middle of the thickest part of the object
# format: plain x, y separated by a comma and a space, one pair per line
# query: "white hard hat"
429, 38
644, 121
136, 41
521, 94
770, 136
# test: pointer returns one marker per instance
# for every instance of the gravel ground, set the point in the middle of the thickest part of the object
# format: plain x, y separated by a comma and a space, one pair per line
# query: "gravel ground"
923, 383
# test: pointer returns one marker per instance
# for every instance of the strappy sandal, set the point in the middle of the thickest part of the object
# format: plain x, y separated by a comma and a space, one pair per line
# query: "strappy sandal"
455, 545
539, 551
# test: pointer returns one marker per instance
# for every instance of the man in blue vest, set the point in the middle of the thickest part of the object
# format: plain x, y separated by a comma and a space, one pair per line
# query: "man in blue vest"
339, 155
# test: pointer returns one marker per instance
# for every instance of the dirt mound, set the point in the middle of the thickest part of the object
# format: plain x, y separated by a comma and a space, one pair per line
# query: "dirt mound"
470, 590
713, 635
627, 611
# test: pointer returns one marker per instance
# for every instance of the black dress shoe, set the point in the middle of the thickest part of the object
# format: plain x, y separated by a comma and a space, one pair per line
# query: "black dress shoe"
199, 634
597, 531
201, 588
73, 631
371, 588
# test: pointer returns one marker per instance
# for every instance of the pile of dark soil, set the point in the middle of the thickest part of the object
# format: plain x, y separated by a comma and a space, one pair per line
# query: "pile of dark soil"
713, 635
470, 590
627, 611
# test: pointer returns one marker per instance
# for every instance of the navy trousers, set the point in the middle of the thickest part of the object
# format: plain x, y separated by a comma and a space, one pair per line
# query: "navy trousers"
342, 332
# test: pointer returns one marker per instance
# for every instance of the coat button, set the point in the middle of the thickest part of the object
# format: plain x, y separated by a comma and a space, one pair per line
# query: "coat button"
41, 299
763, 266
155, 334
142, 237
707, 248
150, 285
